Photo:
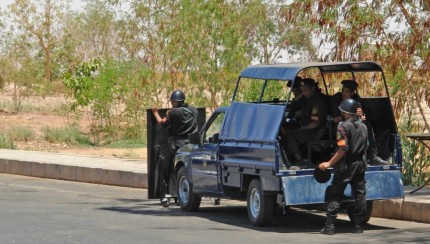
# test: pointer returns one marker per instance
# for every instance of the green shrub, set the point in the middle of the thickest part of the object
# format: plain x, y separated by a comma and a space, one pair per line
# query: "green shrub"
6, 142
415, 156
21, 134
416, 161
69, 135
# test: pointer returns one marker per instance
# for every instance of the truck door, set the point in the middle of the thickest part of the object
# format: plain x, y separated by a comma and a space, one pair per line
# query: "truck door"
205, 166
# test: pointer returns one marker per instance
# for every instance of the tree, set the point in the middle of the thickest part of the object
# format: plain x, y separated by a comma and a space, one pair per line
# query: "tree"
114, 92
41, 21
393, 33
274, 36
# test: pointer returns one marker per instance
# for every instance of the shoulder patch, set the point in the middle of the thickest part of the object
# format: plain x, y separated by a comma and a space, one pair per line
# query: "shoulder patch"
314, 110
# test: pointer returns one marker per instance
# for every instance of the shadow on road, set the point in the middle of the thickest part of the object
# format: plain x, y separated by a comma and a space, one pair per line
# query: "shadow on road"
295, 220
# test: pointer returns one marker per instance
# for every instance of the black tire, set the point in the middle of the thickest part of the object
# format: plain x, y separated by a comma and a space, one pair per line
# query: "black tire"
260, 207
367, 215
188, 201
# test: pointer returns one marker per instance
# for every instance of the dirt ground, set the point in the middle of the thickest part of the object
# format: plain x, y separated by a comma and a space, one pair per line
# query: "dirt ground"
46, 115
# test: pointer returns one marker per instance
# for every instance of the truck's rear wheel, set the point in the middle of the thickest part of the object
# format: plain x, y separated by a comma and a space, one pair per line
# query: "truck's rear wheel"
260, 207
367, 215
186, 198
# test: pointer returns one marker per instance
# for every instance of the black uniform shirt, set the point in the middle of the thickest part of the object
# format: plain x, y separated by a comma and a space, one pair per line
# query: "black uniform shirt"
352, 137
337, 99
314, 110
296, 105
182, 121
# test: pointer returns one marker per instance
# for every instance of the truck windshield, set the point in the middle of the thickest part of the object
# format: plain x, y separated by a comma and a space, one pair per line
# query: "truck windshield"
271, 91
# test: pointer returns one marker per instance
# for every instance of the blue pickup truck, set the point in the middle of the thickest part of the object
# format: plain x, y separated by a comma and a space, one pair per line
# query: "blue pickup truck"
239, 152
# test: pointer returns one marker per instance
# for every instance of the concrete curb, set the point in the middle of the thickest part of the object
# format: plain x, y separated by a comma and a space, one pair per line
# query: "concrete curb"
417, 210
74, 173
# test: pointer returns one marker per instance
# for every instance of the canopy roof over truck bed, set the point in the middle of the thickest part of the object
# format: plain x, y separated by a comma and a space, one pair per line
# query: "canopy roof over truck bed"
289, 71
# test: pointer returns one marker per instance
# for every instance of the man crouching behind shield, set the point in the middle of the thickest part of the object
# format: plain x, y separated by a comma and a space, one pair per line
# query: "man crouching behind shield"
181, 121
349, 168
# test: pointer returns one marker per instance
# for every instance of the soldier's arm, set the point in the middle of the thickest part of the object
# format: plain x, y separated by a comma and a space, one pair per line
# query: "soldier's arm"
158, 117
311, 125
336, 158
342, 147
316, 117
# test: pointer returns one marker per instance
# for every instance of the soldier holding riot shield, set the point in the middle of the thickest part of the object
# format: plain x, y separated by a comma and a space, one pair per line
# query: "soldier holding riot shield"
181, 121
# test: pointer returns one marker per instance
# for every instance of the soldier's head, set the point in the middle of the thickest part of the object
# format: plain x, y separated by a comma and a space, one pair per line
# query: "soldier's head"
295, 88
349, 88
348, 107
177, 98
308, 87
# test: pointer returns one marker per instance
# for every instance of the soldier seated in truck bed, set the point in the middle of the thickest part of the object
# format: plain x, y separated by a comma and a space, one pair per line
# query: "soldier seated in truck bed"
311, 123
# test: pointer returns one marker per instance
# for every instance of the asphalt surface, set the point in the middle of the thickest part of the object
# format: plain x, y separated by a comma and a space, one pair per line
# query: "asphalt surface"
133, 173
37, 210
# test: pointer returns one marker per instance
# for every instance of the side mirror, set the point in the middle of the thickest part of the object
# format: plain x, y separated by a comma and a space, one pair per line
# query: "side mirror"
215, 137
195, 139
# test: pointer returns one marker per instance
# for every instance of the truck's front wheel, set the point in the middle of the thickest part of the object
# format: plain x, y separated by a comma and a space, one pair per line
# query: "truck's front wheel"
186, 198
260, 206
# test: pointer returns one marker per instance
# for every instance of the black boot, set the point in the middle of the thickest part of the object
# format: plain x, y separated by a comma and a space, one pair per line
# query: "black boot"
329, 225
373, 158
357, 223
300, 160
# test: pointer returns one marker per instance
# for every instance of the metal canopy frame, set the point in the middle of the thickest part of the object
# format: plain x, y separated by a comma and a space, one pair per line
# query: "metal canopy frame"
289, 71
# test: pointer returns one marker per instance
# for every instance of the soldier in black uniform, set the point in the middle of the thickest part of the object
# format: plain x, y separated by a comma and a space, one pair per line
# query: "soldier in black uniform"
299, 99
349, 90
349, 166
181, 121
312, 118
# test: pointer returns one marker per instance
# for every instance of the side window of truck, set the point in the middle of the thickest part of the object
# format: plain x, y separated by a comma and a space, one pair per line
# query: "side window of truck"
212, 133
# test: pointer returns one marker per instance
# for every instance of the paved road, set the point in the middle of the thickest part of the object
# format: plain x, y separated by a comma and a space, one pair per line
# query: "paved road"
34, 210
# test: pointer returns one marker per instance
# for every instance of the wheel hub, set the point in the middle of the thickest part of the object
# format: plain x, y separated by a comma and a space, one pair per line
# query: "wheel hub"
184, 190
255, 203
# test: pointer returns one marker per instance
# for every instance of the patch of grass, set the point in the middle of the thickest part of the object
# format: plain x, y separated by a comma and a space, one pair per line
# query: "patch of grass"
29, 107
6, 142
69, 135
132, 143
20, 133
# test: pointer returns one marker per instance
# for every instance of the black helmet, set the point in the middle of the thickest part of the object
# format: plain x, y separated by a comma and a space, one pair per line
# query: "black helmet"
348, 106
177, 95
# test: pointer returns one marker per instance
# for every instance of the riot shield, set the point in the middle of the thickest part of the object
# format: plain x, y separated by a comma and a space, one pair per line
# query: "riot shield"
159, 153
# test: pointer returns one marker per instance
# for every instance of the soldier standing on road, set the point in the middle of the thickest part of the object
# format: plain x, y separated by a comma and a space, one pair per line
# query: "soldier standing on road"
349, 166
181, 121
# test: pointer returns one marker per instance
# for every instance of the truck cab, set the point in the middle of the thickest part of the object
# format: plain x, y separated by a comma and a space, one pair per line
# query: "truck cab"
240, 151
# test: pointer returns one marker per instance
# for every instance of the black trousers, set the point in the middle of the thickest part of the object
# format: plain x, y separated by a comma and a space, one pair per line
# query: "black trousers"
295, 138
169, 164
354, 175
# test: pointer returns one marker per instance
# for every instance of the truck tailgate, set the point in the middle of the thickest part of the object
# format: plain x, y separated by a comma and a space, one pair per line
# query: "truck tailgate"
304, 189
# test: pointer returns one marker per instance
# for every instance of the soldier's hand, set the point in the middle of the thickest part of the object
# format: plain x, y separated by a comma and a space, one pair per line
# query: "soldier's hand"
359, 112
323, 166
